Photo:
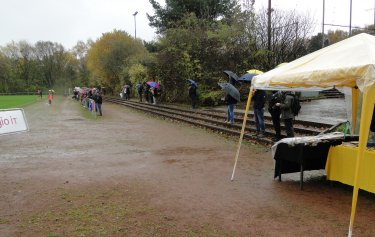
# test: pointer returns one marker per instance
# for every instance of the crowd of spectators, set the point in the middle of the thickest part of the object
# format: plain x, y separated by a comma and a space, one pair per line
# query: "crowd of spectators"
90, 98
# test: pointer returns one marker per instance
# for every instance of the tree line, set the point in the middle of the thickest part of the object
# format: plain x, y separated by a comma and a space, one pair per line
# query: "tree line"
197, 39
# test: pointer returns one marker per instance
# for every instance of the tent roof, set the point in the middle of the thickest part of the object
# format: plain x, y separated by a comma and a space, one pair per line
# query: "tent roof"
348, 63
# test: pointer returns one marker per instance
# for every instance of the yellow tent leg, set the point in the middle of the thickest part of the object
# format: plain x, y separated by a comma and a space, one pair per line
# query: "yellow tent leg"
367, 110
242, 130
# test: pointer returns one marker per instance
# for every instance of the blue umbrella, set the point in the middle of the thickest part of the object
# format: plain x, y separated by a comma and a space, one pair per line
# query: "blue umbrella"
247, 77
192, 82
231, 90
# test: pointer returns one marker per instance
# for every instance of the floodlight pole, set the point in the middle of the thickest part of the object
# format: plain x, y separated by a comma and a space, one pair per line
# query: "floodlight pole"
350, 21
269, 25
135, 24
324, 3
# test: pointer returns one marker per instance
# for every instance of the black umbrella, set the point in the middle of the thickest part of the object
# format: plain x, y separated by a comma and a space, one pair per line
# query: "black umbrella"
231, 90
233, 78
192, 82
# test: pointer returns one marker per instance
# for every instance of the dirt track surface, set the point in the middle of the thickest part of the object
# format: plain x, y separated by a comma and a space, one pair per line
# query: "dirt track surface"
132, 174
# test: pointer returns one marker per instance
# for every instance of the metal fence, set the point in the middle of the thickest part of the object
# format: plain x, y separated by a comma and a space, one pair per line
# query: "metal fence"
20, 93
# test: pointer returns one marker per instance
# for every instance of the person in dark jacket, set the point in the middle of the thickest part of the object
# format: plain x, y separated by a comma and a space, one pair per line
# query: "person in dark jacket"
146, 89
286, 112
259, 99
275, 112
230, 101
126, 92
139, 91
98, 103
193, 95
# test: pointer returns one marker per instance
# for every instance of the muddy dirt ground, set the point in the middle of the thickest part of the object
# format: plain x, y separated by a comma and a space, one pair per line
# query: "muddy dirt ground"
132, 174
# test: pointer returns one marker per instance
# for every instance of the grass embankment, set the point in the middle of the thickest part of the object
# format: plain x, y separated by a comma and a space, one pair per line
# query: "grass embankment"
16, 101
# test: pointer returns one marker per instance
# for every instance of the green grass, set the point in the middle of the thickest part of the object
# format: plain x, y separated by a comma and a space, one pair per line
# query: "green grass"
16, 101
106, 211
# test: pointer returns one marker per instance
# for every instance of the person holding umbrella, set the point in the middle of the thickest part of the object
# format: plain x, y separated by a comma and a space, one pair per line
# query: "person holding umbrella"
230, 101
231, 98
154, 94
233, 78
193, 93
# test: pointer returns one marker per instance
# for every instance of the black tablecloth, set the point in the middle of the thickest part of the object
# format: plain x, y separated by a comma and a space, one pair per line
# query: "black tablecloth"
300, 155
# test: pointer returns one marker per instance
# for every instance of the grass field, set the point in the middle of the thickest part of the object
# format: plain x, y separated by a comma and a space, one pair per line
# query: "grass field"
16, 101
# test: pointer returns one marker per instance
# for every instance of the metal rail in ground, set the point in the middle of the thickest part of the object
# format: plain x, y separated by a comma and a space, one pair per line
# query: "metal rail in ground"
215, 120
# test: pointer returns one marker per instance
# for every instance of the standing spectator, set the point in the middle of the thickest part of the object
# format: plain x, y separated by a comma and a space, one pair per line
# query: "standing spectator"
230, 101
50, 97
40, 93
146, 88
126, 92
75, 94
286, 112
89, 94
159, 89
98, 103
153, 94
275, 113
259, 99
139, 91
123, 91
193, 95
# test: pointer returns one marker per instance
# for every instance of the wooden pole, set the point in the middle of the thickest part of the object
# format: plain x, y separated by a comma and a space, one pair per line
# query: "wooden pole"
242, 131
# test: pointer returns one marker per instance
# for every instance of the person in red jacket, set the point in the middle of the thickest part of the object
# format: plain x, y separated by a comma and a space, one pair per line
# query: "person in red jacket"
50, 97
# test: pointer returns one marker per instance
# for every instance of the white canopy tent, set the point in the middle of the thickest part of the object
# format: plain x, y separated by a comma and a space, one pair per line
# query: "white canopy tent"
347, 64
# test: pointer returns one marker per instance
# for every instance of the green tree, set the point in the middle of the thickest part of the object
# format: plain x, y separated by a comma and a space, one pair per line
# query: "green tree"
27, 56
202, 50
175, 10
80, 51
110, 57
51, 60
5, 74
336, 36
369, 29
137, 73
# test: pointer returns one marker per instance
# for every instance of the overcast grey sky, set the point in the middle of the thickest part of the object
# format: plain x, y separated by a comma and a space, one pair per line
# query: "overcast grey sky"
67, 21
337, 12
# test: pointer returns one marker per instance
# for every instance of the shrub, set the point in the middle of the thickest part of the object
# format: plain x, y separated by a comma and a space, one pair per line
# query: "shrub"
211, 98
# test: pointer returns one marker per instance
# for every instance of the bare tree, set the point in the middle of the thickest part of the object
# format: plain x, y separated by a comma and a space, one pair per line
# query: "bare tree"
289, 35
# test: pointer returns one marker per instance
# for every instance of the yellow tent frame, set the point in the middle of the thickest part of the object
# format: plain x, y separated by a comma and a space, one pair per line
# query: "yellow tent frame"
348, 63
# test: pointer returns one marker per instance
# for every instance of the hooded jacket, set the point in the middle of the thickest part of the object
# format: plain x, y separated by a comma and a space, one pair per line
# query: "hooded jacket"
286, 106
